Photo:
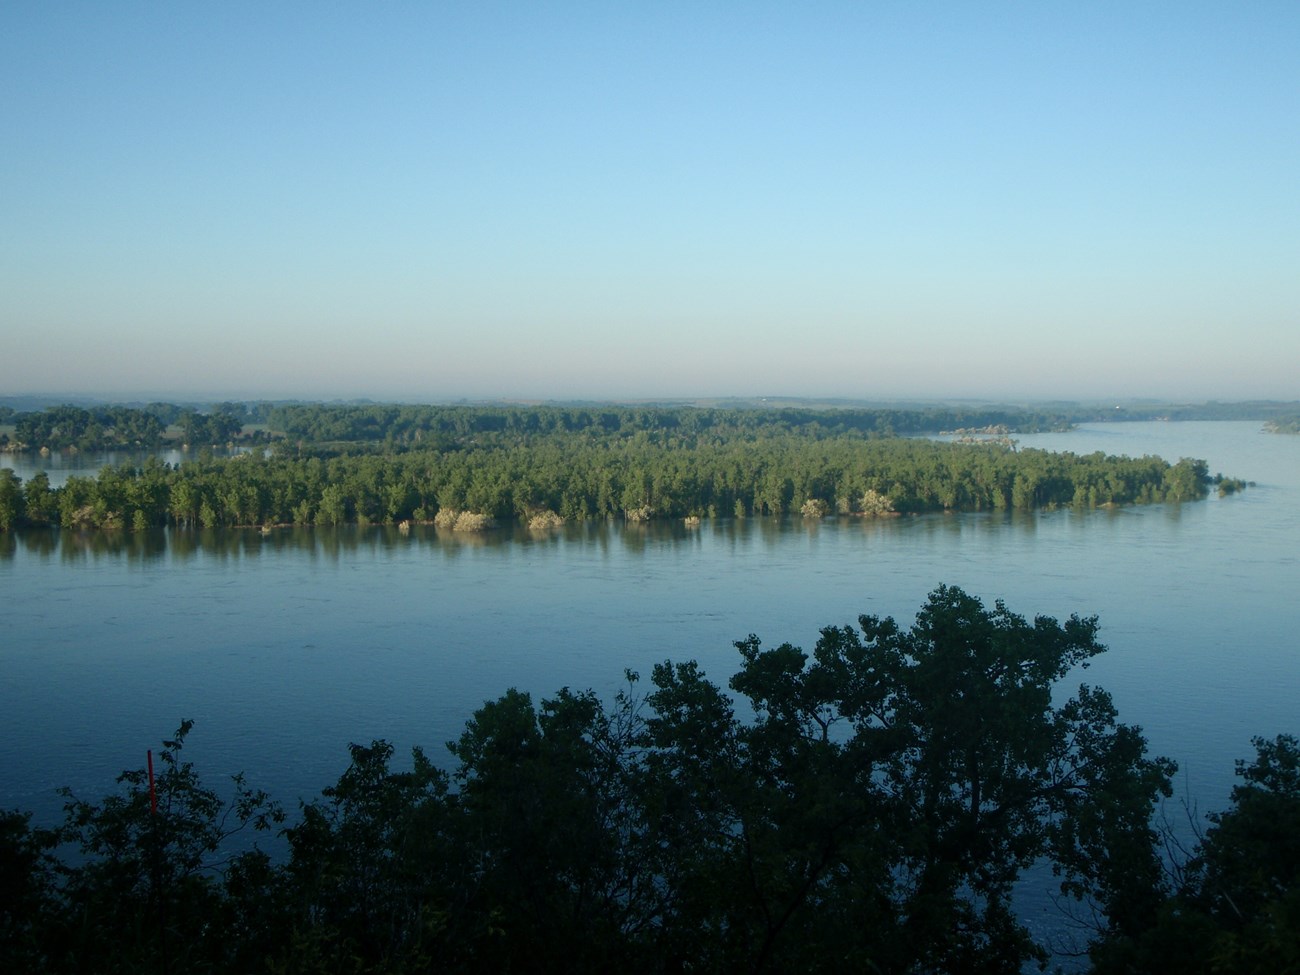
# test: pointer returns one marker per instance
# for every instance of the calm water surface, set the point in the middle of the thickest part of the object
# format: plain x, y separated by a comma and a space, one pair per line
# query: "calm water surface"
286, 648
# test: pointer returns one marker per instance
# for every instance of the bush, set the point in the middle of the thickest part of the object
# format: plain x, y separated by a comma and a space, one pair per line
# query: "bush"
814, 508
472, 521
544, 520
875, 503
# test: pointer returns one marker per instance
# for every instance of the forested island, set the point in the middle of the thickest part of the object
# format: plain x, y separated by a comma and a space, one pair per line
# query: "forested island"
868, 806
471, 467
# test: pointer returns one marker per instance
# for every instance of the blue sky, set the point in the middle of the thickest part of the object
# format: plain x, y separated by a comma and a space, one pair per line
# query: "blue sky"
530, 200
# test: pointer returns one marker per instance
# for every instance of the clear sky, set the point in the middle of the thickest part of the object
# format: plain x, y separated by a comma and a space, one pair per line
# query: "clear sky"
627, 200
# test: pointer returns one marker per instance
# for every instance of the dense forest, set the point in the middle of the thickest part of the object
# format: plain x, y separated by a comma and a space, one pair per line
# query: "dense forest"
114, 427
866, 807
335, 465
635, 480
414, 424
118, 426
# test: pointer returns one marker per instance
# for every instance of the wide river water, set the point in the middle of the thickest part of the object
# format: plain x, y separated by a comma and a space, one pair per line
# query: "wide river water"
285, 648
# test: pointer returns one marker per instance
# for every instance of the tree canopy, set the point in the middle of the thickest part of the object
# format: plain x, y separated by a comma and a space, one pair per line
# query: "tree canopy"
868, 806
1233, 907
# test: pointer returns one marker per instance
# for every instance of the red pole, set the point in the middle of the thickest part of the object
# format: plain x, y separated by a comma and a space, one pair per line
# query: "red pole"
153, 795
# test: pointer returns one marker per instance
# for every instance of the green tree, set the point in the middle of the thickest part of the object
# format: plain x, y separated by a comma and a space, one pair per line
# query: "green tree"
908, 777
183, 500
554, 817
333, 506
148, 892
1236, 908
11, 499
28, 905
1186, 480
868, 806
373, 868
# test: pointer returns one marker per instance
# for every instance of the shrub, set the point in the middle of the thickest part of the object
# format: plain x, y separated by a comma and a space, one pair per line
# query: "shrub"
875, 503
544, 520
472, 521
814, 508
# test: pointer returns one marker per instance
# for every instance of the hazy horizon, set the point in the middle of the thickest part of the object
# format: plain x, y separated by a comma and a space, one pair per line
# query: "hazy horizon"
201, 400
869, 201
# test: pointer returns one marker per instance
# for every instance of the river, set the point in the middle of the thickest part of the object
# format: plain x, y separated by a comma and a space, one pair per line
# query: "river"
287, 647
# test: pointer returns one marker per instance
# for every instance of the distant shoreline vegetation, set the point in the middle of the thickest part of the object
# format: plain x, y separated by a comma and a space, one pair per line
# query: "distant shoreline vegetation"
1284, 424
120, 427
466, 468
33, 422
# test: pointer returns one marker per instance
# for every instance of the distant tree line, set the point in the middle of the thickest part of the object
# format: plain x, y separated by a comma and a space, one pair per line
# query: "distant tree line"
1212, 410
97, 428
121, 427
103, 427
869, 807
396, 424
577, 478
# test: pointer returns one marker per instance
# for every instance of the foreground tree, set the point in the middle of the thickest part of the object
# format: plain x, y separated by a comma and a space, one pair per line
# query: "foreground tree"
153, 884
372, 871
1236, 906
891, 789
28, 905
867, 807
